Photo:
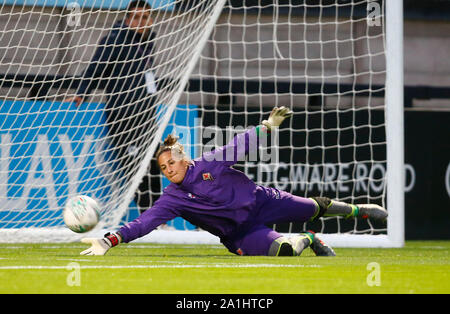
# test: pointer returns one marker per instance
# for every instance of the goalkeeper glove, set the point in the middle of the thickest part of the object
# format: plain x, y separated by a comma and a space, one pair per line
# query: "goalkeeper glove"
276, 117
101, 246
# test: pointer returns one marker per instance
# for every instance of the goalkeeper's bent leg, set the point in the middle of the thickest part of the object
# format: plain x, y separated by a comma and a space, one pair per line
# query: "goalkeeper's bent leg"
263, 241
293, 246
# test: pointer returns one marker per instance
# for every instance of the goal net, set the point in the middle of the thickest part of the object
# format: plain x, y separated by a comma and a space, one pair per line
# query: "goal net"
205, 71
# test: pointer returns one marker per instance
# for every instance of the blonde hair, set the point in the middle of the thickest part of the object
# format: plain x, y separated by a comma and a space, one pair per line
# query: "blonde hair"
171, 144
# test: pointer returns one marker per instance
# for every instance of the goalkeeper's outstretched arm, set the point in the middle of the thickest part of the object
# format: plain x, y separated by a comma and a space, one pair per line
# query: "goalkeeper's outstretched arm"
149, 220
240, 145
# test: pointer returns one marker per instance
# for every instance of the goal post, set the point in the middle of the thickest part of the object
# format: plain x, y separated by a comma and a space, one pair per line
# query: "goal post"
217, 68
395, 123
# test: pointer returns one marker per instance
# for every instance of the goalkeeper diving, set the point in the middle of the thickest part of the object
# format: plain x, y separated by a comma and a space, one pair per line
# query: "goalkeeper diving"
212, 195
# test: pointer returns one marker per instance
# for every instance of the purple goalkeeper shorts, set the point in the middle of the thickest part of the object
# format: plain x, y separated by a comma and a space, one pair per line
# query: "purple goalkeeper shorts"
273, 206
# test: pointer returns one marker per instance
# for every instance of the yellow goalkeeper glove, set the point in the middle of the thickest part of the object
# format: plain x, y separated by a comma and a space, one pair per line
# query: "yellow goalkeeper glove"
276, 117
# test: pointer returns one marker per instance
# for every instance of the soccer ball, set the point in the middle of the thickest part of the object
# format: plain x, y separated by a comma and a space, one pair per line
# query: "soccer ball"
81, 213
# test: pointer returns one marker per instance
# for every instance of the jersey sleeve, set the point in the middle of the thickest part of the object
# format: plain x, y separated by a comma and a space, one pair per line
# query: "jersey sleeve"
161, 212
242, 145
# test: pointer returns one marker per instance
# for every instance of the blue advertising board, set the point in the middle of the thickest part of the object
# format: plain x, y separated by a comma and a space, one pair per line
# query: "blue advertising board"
49, 150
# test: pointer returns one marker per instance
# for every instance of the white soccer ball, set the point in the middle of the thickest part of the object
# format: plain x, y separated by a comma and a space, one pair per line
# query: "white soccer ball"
81, 213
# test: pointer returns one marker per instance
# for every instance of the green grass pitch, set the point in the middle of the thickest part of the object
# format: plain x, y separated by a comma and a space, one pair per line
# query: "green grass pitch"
419, 267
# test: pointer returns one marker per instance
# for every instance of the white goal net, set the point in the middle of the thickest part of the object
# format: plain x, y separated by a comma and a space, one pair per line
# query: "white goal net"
86, 99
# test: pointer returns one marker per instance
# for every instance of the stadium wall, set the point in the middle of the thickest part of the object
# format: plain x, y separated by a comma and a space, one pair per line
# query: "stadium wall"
427, 152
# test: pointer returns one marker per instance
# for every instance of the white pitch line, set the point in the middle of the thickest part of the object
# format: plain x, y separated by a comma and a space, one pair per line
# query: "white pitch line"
155, 266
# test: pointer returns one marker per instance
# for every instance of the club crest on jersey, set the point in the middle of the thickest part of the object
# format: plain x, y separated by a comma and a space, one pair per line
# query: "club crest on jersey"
207, 176
191, 195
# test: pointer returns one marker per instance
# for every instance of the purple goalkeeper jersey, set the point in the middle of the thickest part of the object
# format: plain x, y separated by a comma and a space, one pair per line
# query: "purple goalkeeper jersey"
212, 196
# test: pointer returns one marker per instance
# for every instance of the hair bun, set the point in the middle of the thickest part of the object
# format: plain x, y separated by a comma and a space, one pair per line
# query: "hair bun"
171, 144
170, 140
